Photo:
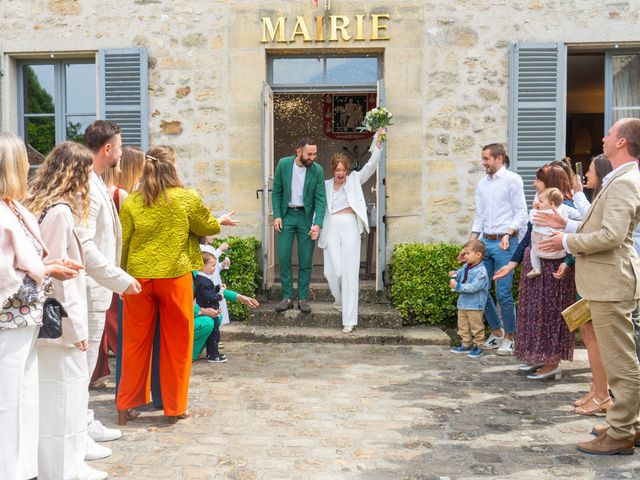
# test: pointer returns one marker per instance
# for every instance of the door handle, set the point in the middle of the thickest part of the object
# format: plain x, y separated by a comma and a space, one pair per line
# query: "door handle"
258, 193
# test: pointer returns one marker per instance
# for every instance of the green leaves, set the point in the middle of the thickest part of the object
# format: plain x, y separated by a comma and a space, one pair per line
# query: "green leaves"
244, 274
420, 282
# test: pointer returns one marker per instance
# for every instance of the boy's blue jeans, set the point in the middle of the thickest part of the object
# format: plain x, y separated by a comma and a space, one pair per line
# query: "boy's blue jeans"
494, 259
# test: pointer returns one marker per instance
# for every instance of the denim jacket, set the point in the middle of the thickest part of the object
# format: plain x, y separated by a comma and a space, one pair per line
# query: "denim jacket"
474, 291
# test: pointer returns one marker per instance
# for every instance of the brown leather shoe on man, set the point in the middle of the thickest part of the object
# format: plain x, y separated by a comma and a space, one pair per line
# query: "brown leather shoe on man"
606, 445
304, 306
600, 429
285, 304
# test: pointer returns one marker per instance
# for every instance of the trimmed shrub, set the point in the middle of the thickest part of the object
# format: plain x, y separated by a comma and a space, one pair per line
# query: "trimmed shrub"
244, 274
420, 283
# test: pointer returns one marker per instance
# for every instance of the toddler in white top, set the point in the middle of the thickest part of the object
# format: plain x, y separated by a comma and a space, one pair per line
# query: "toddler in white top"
548, 198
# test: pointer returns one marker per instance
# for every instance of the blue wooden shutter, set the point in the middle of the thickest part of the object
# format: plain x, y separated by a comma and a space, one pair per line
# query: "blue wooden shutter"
537, 105
124, 84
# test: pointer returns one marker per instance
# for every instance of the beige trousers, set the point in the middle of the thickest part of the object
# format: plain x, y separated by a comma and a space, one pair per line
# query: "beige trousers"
471, 327
614, 332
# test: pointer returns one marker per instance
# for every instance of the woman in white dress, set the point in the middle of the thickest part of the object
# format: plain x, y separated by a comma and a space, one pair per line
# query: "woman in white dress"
344, 221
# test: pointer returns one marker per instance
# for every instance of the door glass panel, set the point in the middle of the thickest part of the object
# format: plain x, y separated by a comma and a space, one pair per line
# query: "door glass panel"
39, 88
352, 70
626, 86
40, 137
76, 125
80, 88
297, 71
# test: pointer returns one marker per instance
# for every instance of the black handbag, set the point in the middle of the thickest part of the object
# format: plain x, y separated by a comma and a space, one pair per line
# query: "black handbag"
52, 313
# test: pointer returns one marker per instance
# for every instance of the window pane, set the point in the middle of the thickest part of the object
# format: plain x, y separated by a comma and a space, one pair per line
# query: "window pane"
297, 71
352, 71
40, 136
80, 88
626, 81
76, 125
619, 113
39, 88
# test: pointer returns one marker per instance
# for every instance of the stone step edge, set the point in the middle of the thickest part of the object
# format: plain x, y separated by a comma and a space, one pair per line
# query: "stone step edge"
426, 335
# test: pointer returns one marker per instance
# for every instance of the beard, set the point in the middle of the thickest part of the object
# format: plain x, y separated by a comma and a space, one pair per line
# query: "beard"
306, 162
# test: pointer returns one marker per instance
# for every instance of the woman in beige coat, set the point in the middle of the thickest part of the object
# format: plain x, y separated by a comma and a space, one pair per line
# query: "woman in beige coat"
60, 199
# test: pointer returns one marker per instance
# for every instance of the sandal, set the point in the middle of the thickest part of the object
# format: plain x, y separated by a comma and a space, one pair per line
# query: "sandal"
600, 407
174, 419
581, 402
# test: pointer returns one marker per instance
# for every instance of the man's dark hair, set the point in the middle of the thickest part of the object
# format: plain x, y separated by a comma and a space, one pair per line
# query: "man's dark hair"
630, 130
99, 133
303, 142
498, 150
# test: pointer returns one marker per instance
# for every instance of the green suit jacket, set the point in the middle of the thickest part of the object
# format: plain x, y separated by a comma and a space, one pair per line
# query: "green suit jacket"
313, 193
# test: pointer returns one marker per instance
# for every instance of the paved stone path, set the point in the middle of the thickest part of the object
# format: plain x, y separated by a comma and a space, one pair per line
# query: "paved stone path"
364, 412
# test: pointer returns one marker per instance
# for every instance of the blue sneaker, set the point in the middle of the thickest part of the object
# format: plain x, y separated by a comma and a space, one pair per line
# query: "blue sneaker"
460, 349
475, 352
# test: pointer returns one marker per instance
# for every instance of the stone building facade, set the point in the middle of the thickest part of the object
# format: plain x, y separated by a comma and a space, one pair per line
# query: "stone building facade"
447, 67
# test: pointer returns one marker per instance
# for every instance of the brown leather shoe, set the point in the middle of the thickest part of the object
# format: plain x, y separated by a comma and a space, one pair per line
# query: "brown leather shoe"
606, 445
600, 429
285, 304
304, 306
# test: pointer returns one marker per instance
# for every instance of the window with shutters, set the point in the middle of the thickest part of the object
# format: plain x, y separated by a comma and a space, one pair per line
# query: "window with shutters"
57, 100
537, 108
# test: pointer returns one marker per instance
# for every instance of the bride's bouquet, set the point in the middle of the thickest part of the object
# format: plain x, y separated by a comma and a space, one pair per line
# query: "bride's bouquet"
376, 118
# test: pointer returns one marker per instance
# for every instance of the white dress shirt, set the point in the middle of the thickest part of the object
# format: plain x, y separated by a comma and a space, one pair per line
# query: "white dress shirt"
500, 204
298, 174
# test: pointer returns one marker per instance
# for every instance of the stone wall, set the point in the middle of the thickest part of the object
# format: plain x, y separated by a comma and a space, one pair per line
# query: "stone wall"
445, 68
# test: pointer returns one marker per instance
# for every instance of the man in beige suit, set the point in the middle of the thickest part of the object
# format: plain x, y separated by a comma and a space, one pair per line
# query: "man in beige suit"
608, 275
101, 242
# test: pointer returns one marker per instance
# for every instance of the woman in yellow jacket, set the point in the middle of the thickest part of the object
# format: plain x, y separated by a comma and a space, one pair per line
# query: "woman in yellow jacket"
161, 223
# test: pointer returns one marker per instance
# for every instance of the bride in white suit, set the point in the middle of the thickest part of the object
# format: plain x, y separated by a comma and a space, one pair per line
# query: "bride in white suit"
344, 221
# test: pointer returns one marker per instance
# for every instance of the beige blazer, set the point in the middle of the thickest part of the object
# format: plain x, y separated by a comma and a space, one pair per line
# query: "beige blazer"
101, 238
58, 232
607, 265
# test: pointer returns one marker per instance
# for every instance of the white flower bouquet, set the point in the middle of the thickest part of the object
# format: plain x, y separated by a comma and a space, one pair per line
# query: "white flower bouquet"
375, 119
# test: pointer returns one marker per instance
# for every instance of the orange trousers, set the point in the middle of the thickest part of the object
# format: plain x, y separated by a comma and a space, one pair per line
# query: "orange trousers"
173, 299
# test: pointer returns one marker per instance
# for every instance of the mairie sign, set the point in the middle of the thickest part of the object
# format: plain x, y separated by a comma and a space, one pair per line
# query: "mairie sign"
283, 31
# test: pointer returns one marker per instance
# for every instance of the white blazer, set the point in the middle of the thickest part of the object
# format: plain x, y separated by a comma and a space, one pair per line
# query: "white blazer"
355, 196
101, 238
58, 232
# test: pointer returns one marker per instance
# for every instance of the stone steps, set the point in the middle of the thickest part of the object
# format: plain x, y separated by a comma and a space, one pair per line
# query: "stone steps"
323, 315
239, 331
319, 292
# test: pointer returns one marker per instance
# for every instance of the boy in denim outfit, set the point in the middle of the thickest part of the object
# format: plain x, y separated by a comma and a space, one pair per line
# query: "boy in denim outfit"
472, 282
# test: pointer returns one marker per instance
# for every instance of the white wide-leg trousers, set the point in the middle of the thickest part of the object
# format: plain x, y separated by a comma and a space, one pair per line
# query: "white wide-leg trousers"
96, 329
63, 413
18, 403
342, 264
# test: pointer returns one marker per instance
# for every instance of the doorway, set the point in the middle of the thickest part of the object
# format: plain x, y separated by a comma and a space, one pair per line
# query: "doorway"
297, 115
323, 97
585, 106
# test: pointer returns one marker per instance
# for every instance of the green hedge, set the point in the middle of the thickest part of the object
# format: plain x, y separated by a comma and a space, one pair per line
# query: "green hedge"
244, 274
420, 283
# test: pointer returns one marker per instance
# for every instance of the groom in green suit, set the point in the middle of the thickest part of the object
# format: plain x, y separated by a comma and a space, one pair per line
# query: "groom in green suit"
298, 201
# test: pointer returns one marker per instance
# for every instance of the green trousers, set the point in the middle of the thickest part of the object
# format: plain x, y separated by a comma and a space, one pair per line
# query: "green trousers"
295, 224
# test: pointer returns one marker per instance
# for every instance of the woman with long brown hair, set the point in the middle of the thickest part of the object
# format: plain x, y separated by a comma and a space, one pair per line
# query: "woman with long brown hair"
60, 199
161, 223
542, 337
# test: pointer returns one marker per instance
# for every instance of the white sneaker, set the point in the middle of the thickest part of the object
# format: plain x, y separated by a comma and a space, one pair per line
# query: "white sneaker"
348, 328
337, 307
506, 348
89, 473
492, 342
95, 451
99, 433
